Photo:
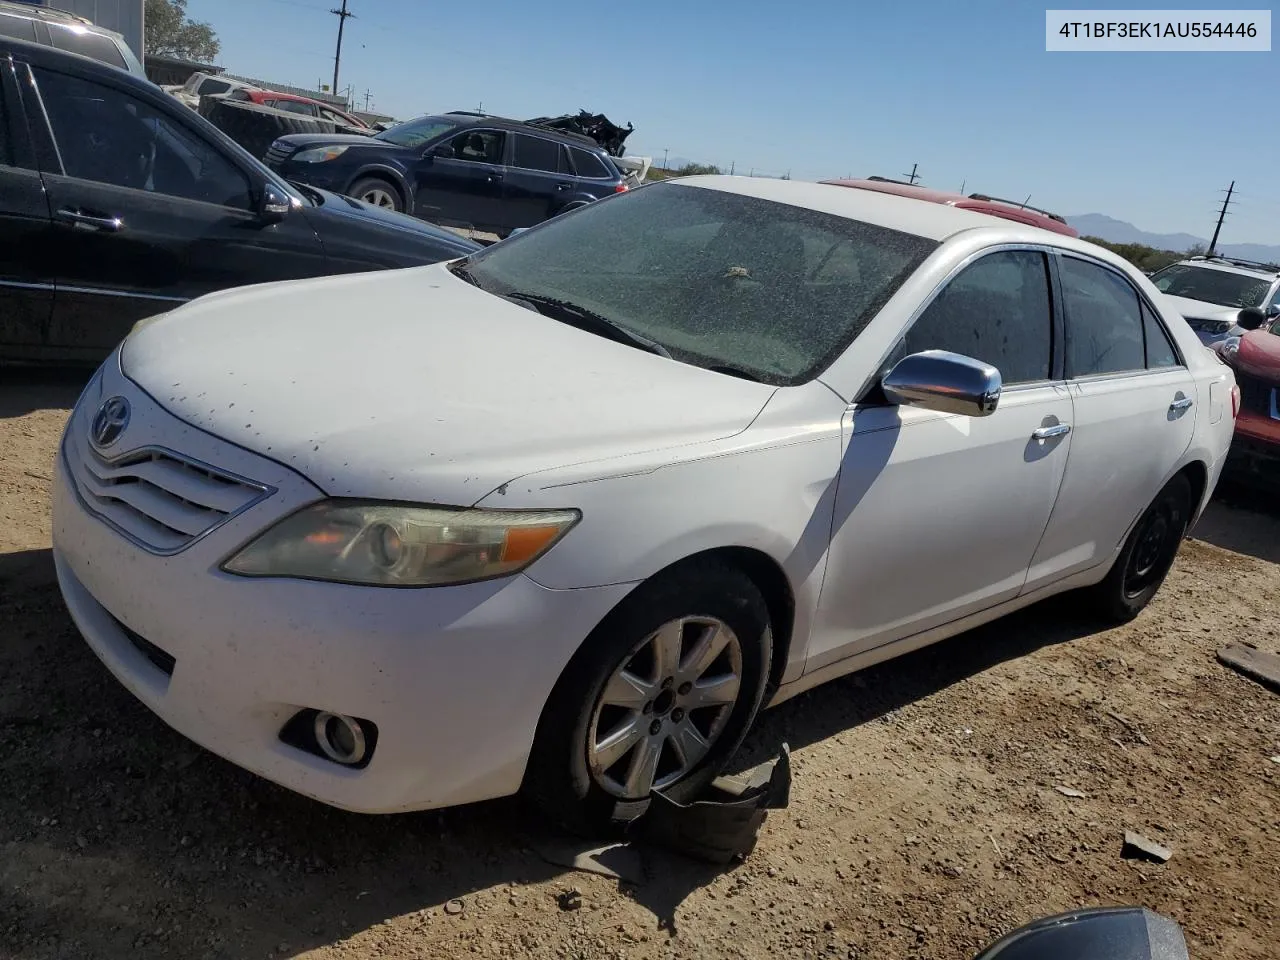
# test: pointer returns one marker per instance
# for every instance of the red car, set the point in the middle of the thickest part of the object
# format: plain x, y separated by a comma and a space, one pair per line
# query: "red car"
980, 202
304, 106
1255, 358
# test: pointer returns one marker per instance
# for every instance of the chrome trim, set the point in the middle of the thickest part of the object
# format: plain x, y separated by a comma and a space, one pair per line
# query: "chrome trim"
945, 382
97, 291
1182, 403
27, 286
266, 491
1048, 433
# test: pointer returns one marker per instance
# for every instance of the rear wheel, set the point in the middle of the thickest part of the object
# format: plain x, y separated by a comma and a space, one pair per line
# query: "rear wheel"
658, 698
377, 193
1147, 555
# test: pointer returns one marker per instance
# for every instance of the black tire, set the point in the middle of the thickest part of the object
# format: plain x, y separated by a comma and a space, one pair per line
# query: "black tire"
1147, 555
570, 207
255, 127
559, 779
369, 187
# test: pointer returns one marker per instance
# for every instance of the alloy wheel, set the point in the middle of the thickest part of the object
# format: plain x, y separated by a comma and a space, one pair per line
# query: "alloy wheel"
379, 198
664, 707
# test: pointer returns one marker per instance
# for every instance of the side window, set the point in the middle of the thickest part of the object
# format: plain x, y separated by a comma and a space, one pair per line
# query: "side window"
1160, 351
93, 45
297, 106
480, 146
1104, 321
536, 153
239, 95
6, 133
334, 117
211, 86
589, 165
107, 136
996, 310
20, 28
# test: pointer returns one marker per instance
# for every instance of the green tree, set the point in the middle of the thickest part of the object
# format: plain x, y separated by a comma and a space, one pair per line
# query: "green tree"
1140, 255
171, 34
695, 169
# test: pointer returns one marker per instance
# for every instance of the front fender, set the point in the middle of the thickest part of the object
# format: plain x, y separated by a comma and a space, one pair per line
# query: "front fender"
389, 172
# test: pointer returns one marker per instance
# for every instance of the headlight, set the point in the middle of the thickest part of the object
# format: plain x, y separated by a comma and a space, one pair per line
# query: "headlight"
145, 322
398, 546
1229, 347
318, 154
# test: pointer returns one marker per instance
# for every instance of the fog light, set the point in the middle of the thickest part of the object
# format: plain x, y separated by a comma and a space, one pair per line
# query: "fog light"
340, 737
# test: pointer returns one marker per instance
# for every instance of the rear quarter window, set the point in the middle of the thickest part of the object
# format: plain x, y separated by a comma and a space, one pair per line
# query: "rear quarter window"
87, 44
589, 165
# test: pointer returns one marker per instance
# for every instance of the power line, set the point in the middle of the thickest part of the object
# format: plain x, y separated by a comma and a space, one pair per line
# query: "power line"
343, 15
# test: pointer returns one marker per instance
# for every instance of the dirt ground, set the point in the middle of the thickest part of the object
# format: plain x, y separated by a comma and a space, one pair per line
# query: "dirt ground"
924, 819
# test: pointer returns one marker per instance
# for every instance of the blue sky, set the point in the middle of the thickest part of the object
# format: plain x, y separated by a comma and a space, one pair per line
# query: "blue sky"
821, 88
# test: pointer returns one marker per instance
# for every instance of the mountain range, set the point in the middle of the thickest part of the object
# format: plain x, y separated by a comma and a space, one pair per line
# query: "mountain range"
1118, 231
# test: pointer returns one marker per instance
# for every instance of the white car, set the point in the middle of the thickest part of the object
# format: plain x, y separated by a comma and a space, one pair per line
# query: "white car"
1210, 292
565, 514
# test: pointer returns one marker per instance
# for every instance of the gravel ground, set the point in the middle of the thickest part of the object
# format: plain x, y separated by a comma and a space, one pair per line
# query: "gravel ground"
925, 818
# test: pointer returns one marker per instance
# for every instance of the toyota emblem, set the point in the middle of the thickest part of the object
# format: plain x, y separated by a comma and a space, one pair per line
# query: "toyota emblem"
109, 422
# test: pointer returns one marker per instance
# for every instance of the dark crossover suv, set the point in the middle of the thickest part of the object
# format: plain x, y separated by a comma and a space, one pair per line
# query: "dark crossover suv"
117, 202
466, 169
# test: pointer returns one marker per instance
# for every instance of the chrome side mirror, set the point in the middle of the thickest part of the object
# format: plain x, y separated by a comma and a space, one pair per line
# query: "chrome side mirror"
275, 205
943, 381
1110, 933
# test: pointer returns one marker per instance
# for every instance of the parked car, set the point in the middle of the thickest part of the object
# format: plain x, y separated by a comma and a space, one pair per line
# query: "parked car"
1254, 355
978, 202
1210, 292
565, 513
207, 85
463, 169
303, 106
66, 31
116, 201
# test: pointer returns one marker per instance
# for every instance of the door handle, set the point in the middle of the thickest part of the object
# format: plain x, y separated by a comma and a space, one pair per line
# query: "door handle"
1181, 404
1048, 433
495, 177
87, 221
564, 186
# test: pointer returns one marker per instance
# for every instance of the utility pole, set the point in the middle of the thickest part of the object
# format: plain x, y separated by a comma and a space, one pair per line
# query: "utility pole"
343, 15
368, 95
732, 166
1213, 244
962, 183
911, 177
665, 151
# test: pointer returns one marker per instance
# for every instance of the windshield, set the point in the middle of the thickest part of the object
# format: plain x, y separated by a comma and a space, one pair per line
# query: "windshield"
416, 132
1211, 286
718, 279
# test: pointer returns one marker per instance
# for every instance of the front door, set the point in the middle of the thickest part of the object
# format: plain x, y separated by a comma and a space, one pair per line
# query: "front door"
938, 516
1135, 412
147, 215
26, 278
464, 186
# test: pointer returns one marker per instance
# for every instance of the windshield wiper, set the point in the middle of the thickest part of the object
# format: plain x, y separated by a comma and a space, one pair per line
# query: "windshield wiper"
581, 317
463, 272
730, 370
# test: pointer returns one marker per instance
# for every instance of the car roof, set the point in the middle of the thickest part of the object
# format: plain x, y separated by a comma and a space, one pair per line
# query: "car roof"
1247, 268
471, 118
980, 202
38, 52
52, 15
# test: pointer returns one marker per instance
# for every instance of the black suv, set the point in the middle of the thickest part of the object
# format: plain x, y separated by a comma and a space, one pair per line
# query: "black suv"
117, 202
464, 169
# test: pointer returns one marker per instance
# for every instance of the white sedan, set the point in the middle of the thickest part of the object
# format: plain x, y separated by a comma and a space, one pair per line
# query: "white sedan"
566, 514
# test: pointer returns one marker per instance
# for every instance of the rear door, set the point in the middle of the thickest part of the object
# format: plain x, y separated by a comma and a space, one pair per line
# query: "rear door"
464, 185
1135, 412
26, 276
146, 212
538, 180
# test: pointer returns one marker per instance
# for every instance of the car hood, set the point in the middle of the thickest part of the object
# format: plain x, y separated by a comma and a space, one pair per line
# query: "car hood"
304, 140
413, 385
1259, 355
340, 207
1202, 310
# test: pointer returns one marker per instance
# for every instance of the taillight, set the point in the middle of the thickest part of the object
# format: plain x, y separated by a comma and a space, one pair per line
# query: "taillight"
1235, 401
621, 188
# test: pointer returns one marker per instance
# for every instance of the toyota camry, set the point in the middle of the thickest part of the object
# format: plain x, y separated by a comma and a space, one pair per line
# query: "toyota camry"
564, 515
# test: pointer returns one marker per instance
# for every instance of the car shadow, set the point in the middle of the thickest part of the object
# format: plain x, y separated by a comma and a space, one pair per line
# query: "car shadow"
1243, 519
24, 390
160, 849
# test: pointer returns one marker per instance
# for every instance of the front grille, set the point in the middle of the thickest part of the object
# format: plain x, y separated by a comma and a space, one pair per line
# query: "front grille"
157, 498
1255, 394
277, 154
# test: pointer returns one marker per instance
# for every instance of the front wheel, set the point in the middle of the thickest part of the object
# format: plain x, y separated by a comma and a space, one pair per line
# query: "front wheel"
658, 698
377, 193
1147, 555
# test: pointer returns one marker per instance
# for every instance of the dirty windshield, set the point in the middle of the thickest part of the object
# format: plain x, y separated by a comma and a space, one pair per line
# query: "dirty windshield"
1211, 286
416, 132
721, 280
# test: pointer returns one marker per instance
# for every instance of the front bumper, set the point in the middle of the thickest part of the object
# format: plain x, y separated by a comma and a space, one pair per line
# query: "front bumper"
1255, 449
454, 678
